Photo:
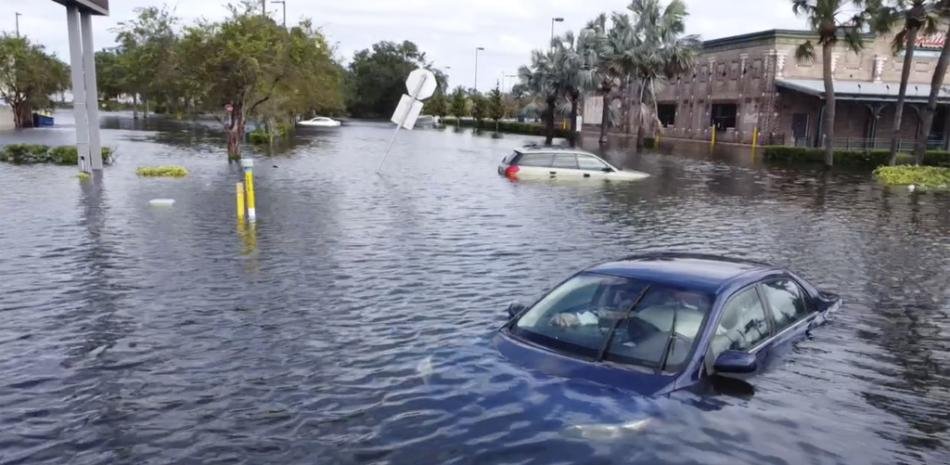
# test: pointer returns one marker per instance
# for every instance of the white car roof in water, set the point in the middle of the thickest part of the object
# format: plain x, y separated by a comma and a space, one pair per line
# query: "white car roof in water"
553, 149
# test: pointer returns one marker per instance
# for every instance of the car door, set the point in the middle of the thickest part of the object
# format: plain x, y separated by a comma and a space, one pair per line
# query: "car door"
535, 166
744, 325
791, 313
592, 168
565, 166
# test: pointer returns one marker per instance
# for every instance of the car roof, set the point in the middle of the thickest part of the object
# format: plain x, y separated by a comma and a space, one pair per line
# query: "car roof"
706, 273
542, 149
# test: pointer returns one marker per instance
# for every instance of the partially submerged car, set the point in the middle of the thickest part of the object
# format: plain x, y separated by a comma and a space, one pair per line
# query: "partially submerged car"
534, 162
319, 122
663, 322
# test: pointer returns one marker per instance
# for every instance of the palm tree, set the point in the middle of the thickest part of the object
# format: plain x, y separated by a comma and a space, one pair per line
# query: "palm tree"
661, 51
574, 73
607, 52
915, 16
540, 78
831, 21
942, 8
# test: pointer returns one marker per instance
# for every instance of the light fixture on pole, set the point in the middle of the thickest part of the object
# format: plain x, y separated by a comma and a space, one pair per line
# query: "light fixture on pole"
283, 3
555, 20
477, 49
18, 14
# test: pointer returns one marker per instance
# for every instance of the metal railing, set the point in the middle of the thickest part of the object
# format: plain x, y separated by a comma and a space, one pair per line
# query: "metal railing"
860, 143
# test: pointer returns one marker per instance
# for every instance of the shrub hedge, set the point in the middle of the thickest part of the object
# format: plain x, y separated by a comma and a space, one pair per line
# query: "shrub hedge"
928, 177
165, 171
27, 154
511, 127
859, 159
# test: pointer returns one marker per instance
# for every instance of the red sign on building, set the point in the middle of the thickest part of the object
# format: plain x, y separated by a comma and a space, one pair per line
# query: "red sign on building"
931, 42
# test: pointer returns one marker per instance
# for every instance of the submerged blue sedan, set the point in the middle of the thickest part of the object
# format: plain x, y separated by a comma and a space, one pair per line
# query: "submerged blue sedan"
662, 322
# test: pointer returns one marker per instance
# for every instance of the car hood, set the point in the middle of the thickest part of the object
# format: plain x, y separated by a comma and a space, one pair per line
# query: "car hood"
551, 363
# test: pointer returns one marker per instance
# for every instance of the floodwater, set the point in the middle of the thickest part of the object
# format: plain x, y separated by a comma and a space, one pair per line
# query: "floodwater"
353, 324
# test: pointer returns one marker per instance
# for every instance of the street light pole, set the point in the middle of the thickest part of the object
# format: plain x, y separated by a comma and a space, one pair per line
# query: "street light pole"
555, 20
477, 49
283, 3
264, 7
18, 14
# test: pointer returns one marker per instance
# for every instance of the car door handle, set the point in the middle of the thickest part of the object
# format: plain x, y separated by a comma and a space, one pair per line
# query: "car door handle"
586, 175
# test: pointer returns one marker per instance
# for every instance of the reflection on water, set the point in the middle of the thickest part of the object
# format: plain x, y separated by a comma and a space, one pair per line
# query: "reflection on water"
352, 323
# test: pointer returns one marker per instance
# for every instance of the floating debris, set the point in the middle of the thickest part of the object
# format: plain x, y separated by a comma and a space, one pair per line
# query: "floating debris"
604, 432
161, 202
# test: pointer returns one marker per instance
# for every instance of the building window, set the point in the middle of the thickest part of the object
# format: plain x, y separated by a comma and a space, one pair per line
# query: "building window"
666, 112
724, 115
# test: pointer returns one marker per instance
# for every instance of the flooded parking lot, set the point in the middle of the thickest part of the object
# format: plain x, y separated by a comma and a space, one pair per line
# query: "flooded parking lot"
353, 324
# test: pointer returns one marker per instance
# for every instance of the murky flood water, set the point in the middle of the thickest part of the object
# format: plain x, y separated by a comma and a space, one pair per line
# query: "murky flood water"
354, 323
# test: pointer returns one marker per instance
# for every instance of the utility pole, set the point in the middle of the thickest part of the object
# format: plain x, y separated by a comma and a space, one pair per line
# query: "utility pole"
264, 7
477, 49
283, 3
18, 14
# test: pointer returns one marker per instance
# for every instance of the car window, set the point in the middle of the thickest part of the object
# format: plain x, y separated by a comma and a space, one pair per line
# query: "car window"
542, 160
510, 157
785, 300
663, 328
743, 324
587, 162
565, 161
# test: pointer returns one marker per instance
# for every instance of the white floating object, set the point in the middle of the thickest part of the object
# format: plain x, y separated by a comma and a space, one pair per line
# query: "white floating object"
912, 187
161, 202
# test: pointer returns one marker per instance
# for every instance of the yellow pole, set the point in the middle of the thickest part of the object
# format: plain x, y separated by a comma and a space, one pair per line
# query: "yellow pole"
755, 138
656, 142
712, 141
239, 195
248, 165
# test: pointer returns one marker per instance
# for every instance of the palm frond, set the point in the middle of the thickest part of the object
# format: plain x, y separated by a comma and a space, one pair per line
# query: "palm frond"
805, 53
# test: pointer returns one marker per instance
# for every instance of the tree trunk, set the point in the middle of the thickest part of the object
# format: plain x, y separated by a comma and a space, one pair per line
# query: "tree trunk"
22, 115
626, 101
573, 137
235, 132
640, 117
135, 106
549, 120
927, 119
605, 117
905, 76
829, 121
145, 113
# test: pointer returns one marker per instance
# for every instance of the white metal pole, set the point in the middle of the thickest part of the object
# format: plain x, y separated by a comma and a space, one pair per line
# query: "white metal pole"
92, 91
18, 24
79, 88
399, 126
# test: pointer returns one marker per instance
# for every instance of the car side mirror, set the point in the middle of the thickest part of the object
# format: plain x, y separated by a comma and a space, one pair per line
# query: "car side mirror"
733, 361
607, 170
515, 309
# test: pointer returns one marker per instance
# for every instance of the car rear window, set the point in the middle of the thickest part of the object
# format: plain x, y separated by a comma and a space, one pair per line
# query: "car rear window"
511, 156
543, 160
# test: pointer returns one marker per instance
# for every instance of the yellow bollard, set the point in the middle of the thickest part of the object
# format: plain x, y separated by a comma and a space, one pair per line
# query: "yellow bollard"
712, 141
239, 195
755, 138
656, 141
248, 165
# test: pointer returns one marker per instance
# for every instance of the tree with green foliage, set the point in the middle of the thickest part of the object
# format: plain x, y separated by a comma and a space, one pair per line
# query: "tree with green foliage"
376, 78
479, 108
833, 21
542, 80
496, 106
438, 105
459, 104
147, 46
258, 68
28, 77
110, 77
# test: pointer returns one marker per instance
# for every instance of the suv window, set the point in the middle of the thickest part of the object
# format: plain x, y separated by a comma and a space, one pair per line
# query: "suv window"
589, 163
542, 160
785, 300
743, 324
566, 161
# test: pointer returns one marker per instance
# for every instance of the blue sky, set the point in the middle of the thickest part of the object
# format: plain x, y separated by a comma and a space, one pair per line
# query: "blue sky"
448, 30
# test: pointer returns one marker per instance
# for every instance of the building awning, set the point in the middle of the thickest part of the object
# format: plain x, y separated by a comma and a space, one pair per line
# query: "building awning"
864, 91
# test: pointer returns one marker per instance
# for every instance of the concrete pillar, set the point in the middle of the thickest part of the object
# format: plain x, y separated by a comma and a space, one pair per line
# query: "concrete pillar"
92, 91
79, 88
878, 72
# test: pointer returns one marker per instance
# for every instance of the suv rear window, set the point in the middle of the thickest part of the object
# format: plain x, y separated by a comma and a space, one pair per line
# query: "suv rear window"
542, 160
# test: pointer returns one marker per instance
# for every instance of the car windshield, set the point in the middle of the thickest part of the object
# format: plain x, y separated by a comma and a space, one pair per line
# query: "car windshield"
618, 319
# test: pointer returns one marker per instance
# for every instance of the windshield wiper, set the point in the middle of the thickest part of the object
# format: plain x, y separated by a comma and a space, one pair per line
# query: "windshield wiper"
669, 342
613, 328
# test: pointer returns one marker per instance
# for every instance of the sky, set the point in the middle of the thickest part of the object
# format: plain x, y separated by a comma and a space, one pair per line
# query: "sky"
447, 30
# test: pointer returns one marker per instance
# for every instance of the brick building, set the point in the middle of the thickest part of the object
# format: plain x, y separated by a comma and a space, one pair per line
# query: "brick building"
754, 81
